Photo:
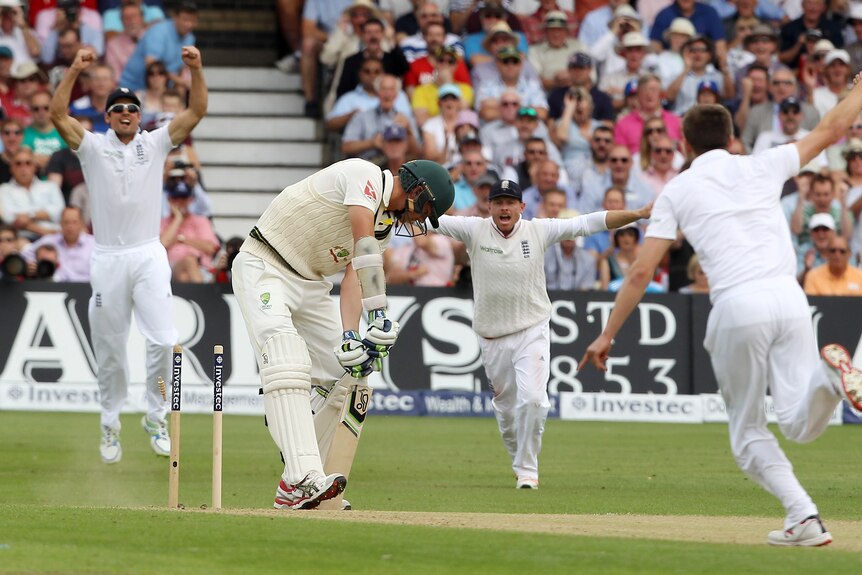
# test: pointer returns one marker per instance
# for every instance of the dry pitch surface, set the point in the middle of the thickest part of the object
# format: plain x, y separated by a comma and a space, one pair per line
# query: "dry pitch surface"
691, 528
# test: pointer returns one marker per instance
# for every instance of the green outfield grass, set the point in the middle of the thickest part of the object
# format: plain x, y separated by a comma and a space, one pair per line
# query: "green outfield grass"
63, 511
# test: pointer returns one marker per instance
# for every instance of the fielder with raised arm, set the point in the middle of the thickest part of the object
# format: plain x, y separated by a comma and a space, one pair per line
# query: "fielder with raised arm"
129, 271
339, 218
512, 310
759, 331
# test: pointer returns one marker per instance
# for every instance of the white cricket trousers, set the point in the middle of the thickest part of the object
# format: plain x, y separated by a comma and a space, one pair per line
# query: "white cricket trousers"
294, 305
518, 367
759, 334
127, 279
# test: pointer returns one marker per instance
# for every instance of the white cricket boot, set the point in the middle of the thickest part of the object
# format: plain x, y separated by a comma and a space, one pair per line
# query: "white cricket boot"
308, 493
160, 441
809, 532
846, 378
110, 448
527, 483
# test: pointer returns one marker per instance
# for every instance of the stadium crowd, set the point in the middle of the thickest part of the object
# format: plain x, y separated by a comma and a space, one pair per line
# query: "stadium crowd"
581, 104
44, 201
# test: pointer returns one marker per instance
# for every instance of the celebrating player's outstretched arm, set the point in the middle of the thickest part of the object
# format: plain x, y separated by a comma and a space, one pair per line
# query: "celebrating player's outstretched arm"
618, 218
184, 122
69, 128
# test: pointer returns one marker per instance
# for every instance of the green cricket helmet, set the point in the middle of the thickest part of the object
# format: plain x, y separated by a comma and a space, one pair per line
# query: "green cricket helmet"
434, 186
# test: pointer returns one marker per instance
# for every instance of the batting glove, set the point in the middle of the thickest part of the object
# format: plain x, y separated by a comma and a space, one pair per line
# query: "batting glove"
354, 357
382, 333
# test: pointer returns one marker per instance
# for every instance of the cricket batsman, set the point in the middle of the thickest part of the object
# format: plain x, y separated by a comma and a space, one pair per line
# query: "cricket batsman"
339, 218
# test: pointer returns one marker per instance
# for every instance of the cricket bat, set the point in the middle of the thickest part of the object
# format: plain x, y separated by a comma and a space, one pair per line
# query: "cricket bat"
337, 456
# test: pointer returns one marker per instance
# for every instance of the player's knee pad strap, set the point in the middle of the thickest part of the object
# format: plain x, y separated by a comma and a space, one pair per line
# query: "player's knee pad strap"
368, 263
285, 364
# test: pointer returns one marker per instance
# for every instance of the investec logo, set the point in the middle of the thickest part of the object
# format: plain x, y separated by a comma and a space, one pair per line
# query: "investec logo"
491, 250
631, 407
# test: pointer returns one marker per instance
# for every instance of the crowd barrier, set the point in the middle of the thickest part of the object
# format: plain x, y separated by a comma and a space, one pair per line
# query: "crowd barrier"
47, 363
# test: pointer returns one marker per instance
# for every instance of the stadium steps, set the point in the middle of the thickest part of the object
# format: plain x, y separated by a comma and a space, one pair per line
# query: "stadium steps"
253, 142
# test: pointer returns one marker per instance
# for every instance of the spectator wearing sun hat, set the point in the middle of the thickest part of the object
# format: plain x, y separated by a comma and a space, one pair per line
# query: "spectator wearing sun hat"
705, 19
438, 132
633, 49
836, 80
812, 251
551, 57
481, 46
606, 50
669, 63
487, 71
596, 22
533, 25
510, 64
15, 34
698, 54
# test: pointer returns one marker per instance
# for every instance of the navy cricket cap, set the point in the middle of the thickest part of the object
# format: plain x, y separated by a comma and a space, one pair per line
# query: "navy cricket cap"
580, 60
121, 94
394, 132
179, 189
790, 103
506, 188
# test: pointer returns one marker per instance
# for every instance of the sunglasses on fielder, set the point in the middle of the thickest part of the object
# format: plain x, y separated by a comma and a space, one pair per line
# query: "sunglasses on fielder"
120, 108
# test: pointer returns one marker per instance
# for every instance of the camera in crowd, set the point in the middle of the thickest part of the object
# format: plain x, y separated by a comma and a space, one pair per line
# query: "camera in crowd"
13, 267
44, 270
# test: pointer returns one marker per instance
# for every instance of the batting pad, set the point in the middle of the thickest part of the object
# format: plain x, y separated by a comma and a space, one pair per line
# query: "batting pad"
286, 375
368, 264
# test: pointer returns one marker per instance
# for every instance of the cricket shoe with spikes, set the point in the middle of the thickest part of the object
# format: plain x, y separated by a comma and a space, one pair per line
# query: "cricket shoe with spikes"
109, 447
160, 441
809, 532
308, 493
846, 378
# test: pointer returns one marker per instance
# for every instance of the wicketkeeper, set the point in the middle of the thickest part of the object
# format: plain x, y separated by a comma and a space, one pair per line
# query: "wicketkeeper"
339, 218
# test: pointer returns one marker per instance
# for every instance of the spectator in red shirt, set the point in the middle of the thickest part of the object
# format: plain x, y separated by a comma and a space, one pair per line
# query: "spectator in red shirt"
422, 69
